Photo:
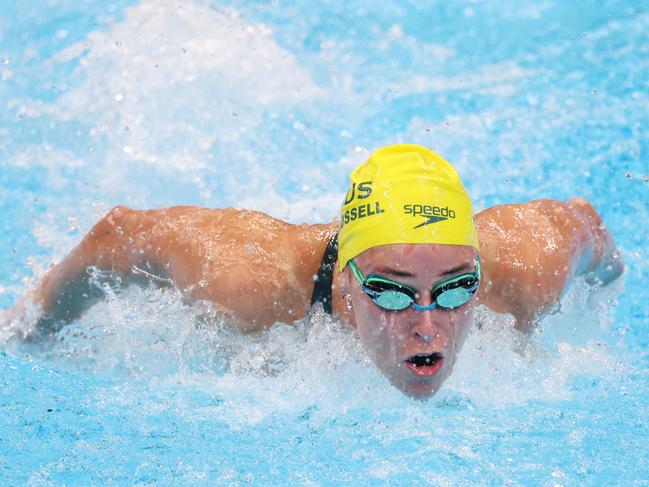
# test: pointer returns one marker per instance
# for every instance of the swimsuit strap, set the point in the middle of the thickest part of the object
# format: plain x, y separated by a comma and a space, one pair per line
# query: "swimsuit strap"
324, 279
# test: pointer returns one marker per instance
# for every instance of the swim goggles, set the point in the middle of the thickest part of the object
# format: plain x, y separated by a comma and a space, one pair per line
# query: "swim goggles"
395, 296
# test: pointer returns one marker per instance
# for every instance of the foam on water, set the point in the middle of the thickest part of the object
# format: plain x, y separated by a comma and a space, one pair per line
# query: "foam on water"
151, 335
189, 68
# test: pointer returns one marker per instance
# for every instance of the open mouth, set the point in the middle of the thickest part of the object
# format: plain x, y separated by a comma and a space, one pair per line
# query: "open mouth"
425, 365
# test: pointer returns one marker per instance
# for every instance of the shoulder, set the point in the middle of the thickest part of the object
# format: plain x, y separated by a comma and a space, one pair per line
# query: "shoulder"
196, 217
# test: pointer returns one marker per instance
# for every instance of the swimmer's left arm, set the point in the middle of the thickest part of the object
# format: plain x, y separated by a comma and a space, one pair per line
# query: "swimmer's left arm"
530, 253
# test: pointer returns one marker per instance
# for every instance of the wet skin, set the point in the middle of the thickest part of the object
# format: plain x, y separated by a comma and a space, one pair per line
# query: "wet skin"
258, 270
393, 337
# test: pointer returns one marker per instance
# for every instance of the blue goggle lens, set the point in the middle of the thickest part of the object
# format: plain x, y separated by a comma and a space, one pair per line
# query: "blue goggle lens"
394, 296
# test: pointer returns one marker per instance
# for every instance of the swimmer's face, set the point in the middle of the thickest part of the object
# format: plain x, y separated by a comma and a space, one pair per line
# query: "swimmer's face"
415, 350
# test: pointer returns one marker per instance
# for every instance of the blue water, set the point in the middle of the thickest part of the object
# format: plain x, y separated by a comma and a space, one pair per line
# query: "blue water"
269, 105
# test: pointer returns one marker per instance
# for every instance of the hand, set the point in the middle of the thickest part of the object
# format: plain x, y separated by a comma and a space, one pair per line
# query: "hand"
607, 263
18, 323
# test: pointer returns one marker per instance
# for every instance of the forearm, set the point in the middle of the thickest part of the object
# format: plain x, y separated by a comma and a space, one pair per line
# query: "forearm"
67, 289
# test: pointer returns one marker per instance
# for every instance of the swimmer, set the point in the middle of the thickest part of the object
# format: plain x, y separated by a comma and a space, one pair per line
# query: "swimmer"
405, 264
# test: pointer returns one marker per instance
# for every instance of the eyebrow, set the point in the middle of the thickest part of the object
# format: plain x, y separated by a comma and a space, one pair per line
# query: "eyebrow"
394, 272
455, 270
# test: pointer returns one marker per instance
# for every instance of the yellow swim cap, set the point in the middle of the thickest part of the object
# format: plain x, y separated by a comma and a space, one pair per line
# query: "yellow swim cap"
404, 194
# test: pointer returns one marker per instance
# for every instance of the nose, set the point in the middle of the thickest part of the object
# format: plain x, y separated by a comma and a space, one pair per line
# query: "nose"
426, 329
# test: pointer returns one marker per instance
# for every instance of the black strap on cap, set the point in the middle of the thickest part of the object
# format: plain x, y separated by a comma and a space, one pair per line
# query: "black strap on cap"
324, 279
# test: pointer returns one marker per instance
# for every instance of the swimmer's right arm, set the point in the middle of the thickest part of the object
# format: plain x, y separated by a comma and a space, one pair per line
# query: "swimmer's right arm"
233, 252
120, 243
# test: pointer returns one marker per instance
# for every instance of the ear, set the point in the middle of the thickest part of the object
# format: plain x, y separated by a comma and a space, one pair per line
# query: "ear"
344, 283
343, 295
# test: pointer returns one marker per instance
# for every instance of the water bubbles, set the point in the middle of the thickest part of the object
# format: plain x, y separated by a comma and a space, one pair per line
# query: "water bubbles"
395, 32
73, 226
555, 308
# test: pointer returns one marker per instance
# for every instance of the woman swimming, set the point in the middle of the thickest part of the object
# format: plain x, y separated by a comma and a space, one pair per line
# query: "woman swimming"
406, 263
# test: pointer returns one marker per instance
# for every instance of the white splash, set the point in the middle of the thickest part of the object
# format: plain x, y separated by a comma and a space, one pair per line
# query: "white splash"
158, 82
500, 365
151, 335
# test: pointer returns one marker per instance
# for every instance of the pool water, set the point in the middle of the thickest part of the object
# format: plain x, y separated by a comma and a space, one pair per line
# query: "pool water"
269, 105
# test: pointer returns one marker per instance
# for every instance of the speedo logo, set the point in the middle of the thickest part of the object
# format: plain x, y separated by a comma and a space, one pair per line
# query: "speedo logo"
433, 214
